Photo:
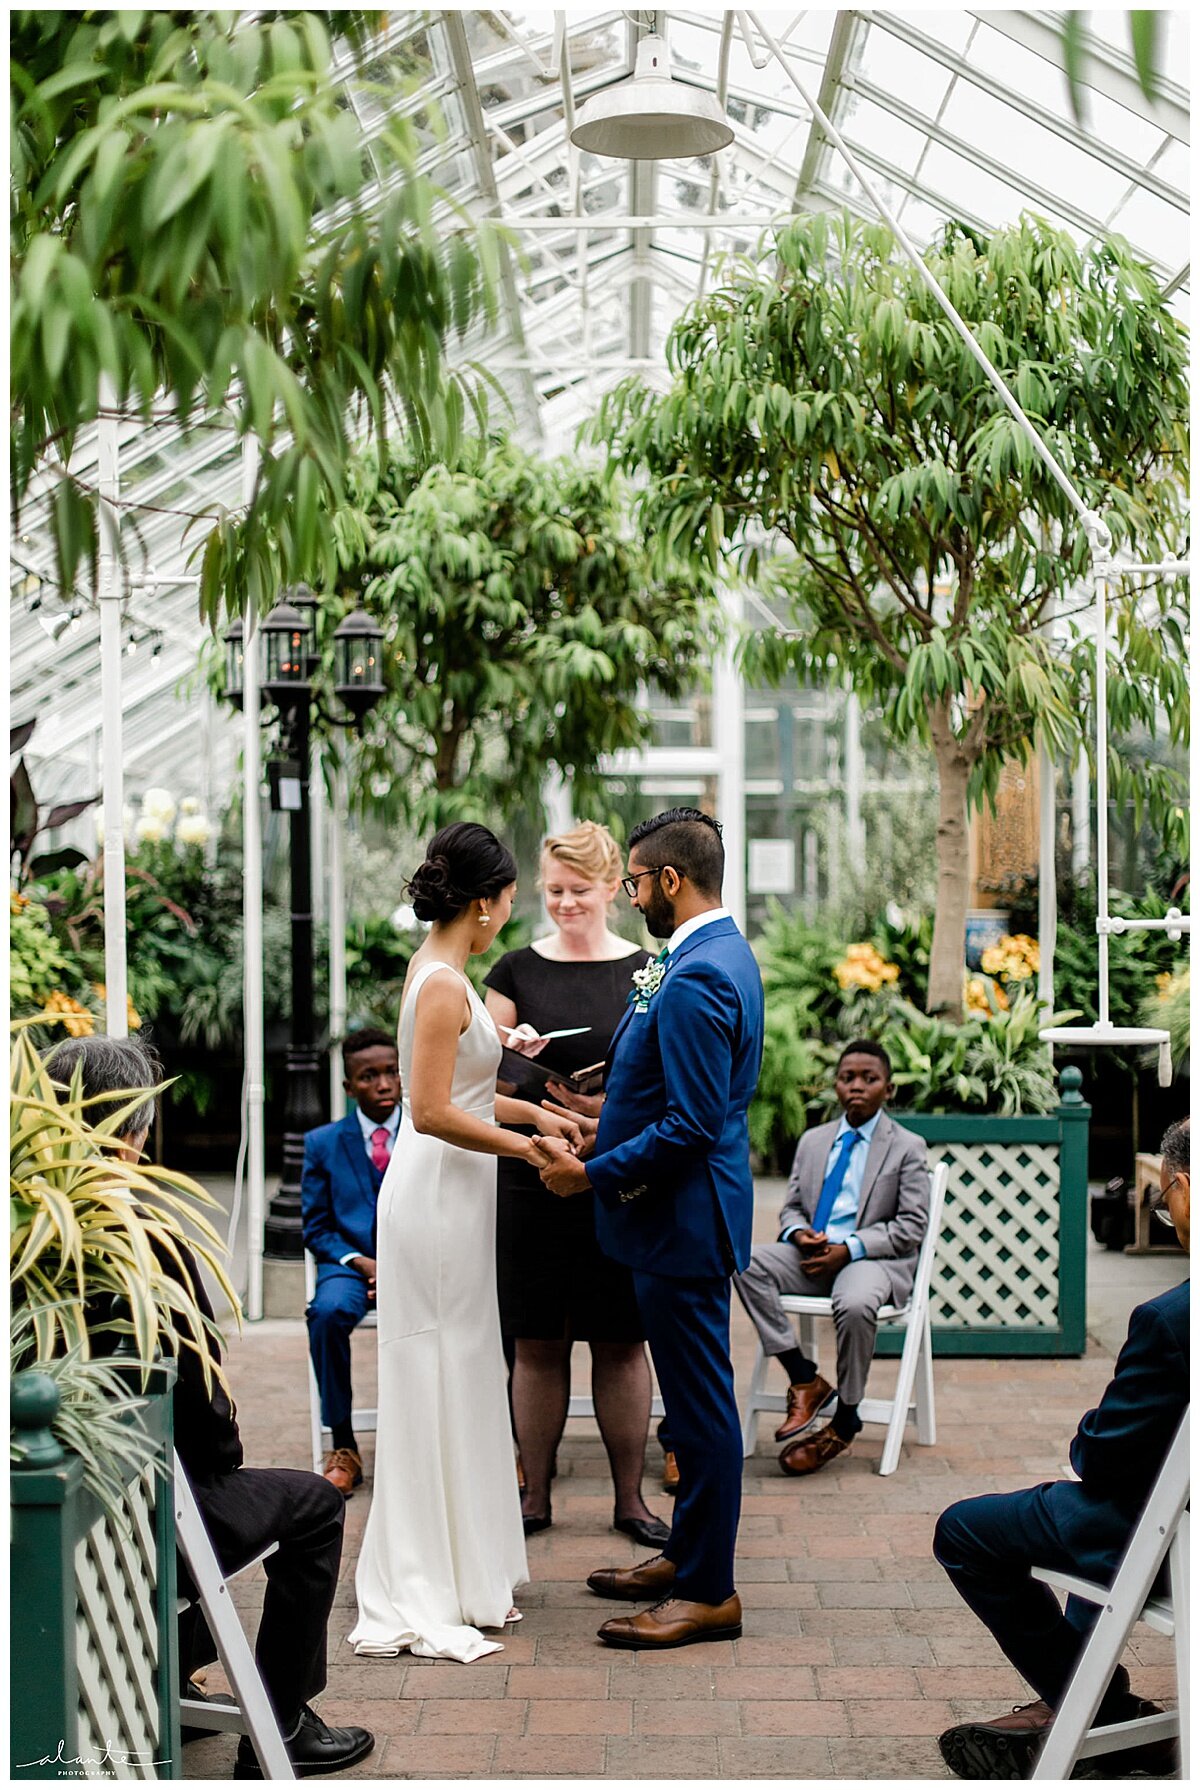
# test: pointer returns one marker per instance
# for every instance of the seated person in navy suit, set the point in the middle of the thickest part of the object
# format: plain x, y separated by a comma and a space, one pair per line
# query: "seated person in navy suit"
344, 1165
988, 1545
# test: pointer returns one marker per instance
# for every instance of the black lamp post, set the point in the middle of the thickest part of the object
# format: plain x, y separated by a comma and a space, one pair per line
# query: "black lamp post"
288, 662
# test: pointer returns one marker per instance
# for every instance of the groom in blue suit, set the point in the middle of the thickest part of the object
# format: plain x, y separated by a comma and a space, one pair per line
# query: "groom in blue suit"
671, 1169
344, 1165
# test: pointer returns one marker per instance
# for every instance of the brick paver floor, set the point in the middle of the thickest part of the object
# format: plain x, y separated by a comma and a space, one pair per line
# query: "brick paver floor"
856, 1652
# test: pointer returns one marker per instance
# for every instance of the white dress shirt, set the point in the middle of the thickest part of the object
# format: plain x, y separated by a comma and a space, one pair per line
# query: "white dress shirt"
694, 924
368, 1127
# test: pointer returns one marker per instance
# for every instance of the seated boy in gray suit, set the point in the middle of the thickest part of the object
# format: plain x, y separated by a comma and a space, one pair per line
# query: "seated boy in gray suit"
856, 1215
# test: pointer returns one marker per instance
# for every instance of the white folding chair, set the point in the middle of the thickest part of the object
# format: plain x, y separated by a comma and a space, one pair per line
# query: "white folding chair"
1161, 1533
914, 1383
366, 1420
251, 1712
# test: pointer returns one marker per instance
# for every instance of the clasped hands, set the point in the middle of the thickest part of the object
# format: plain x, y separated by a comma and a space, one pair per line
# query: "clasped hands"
558, 1160
818, 1255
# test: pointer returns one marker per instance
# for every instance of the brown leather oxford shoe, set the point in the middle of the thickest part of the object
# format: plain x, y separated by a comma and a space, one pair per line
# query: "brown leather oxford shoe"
670, 1477
675, 1623
343, 1469
632, 1584
814, 1452
804, 1400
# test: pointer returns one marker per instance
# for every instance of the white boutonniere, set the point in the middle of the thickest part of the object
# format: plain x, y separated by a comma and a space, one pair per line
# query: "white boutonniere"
646, 984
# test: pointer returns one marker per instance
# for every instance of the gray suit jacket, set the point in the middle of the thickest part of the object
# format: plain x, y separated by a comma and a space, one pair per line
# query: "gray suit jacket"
893, 1205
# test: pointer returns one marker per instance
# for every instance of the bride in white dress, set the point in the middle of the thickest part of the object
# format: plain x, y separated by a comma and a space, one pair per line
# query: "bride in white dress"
444, 1546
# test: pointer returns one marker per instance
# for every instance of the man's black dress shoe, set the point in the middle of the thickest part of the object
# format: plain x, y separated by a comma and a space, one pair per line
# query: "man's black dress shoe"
648, 1532
534, 1525
313, 1749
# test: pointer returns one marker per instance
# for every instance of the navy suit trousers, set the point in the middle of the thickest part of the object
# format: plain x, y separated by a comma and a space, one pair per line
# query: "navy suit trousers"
988, 1547
687, 1327
338, 1305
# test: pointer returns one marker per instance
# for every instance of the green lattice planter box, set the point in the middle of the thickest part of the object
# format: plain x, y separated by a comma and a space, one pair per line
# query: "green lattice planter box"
1010, 1276
92, 1620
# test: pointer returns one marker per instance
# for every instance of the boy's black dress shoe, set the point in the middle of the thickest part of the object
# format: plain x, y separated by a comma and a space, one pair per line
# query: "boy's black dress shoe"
313, 1749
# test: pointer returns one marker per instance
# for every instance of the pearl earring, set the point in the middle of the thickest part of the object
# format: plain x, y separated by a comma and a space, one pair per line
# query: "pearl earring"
485, 919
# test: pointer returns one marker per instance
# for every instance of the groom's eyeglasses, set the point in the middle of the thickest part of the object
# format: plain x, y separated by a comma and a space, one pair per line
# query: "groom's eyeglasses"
630, 883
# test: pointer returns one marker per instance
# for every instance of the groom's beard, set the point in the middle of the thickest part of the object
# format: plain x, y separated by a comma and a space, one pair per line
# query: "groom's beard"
659, 916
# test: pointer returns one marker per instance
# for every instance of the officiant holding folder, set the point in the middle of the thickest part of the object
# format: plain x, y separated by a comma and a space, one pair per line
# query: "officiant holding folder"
555, 1286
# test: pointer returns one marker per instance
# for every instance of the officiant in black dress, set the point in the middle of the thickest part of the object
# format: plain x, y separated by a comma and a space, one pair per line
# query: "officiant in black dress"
556, 1287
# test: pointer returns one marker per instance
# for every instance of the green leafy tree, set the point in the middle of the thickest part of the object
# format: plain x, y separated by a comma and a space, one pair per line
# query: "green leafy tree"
524, 623
827, 427
199, 222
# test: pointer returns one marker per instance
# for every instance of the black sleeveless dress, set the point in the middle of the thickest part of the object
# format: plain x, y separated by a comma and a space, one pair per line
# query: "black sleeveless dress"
552, 1277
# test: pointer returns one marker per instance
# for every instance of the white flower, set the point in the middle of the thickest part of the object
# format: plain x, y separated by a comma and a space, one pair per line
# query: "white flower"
404, 918
159, 804
646, 982
149, 830
193, 829
189, 805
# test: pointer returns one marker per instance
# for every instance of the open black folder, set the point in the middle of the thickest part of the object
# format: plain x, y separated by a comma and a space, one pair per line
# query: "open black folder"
530, 1076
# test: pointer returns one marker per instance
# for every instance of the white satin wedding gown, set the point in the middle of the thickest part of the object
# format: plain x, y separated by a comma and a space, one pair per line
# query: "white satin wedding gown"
444, 1546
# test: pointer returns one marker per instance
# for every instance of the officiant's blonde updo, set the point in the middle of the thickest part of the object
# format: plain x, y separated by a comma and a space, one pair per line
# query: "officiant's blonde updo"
589, 849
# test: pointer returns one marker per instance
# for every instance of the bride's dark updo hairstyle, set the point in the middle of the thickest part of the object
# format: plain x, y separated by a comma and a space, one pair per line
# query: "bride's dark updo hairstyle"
463, 863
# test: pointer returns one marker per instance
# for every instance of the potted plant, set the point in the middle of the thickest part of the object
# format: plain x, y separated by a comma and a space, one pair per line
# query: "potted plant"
95, 1310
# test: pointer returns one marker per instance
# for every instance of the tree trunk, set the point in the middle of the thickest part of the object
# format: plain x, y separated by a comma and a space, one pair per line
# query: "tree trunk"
946, 958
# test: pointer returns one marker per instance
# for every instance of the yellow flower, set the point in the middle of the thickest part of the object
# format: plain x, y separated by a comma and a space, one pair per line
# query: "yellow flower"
16, 901
864, 967
1163, 982
1015, 957
975, 996
62, 1009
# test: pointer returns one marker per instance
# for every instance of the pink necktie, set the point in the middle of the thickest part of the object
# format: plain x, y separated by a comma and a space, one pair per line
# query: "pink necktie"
380, 1154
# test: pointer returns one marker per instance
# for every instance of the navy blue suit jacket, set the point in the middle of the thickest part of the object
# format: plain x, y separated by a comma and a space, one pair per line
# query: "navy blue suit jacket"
1120, 1447
671, 1166
339, 1191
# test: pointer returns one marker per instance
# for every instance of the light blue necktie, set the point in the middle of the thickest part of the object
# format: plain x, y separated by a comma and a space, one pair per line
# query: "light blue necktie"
834, 1180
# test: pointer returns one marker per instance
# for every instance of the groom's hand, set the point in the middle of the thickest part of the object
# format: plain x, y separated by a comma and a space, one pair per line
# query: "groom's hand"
564, 1174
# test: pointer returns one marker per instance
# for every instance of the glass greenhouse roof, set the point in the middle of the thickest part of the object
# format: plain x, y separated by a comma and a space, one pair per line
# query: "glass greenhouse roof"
954, 114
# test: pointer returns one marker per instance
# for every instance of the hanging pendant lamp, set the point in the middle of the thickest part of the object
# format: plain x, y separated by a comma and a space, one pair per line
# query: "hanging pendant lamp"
651, 117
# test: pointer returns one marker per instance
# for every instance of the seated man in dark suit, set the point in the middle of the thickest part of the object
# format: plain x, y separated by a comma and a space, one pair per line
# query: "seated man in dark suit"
244, 1509
856, 1215
989, 1545
339, 1191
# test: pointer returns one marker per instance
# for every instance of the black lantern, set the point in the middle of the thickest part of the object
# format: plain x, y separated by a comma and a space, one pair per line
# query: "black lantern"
358, 663
286, 634
235, 662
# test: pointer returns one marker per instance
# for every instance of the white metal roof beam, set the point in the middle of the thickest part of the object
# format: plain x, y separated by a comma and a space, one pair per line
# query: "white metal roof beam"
460, 57
1104, 69
906, 33
846, 31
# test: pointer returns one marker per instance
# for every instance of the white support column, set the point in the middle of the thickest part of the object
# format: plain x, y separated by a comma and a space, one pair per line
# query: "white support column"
319, 809
252, 983
556, 801
337, 938
852, 786
729, 739
1081, 815
1047, 878
109, 593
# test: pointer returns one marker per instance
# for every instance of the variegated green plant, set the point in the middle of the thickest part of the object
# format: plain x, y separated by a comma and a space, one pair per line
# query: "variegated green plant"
93, 1237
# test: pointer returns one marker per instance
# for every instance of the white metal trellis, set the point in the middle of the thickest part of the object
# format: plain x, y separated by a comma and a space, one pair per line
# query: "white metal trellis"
1100, 571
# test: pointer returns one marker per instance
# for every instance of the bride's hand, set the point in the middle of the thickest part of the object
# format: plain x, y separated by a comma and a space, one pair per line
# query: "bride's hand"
563, 1126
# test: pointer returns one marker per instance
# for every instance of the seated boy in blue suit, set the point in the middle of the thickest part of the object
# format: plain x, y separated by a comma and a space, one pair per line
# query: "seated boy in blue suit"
989, 1545
344, 1165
